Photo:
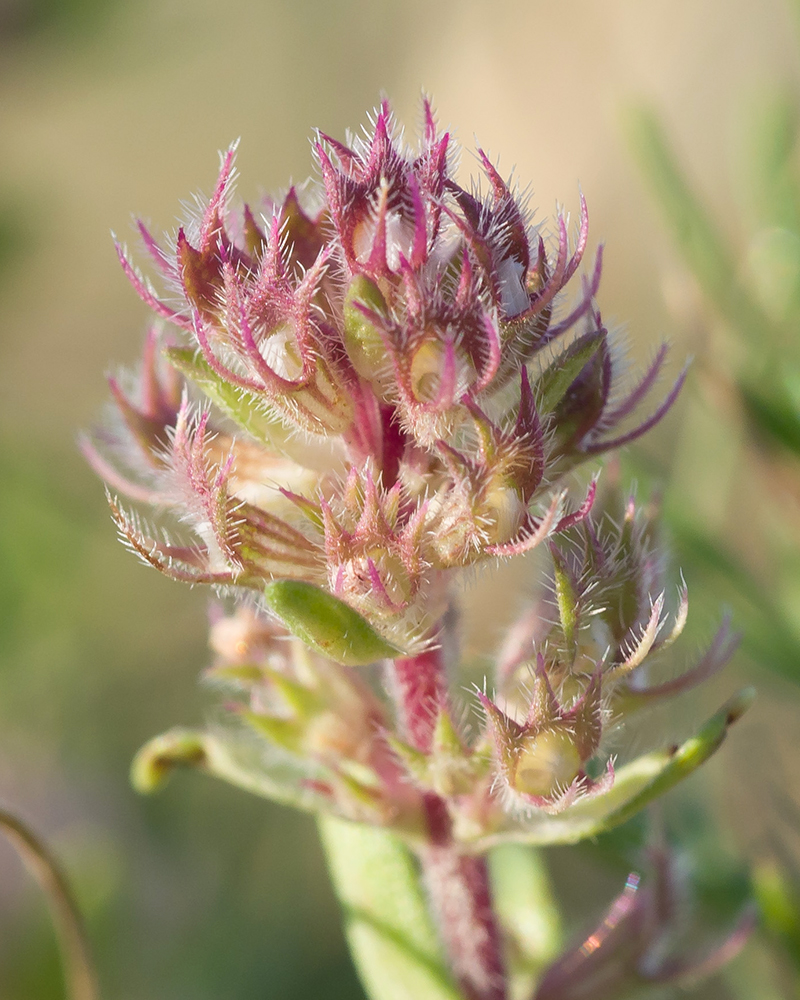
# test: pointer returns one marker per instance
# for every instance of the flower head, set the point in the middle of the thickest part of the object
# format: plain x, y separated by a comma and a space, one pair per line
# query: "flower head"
361, 390
405, 328
357, 393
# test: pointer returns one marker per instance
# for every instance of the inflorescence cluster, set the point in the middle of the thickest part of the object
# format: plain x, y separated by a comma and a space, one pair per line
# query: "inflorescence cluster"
356, 392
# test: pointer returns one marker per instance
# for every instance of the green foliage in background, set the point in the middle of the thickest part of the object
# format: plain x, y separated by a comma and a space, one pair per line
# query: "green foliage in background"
754, 288
751, 284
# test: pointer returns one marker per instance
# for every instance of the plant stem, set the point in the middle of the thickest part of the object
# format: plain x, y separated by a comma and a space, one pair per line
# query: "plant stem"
461, 900
419, 691
457, 884
78, 970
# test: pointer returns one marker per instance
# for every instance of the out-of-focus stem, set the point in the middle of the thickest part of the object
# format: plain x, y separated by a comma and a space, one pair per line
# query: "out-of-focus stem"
457, 884
79, 972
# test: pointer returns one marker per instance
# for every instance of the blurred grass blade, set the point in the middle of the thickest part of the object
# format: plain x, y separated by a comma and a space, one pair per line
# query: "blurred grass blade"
390, 932
698, 239
773, 414
79, 974
768, 636
779, 905
772, 149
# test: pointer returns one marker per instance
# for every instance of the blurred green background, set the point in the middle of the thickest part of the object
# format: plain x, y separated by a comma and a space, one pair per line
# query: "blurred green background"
109, 108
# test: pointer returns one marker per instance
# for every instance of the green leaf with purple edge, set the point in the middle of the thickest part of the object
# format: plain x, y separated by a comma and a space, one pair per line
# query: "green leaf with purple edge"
552, 385
243, 407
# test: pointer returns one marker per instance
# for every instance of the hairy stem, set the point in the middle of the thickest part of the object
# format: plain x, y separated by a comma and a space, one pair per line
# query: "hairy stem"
78, 969
460, 897
419, 691
457, 884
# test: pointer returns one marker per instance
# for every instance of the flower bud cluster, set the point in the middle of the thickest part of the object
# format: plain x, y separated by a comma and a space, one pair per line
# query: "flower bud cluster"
357, 391
582, 659
365, 386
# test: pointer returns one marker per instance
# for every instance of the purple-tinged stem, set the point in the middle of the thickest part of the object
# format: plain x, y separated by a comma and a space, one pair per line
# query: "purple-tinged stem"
420, 690
460, 896
457, 884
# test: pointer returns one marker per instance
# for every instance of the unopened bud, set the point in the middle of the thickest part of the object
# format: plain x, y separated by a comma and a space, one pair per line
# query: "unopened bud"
547, 763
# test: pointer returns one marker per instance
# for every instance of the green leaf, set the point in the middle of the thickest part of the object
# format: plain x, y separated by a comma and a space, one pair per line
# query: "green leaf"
636, 785
243, 407
233, 759
154, 763
552, 384
327, 624
390, 932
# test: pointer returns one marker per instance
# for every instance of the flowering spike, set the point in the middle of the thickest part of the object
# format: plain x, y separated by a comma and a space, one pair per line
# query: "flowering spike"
387, 388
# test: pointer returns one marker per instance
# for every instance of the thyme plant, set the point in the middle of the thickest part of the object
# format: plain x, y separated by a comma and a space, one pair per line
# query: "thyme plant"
356, 394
